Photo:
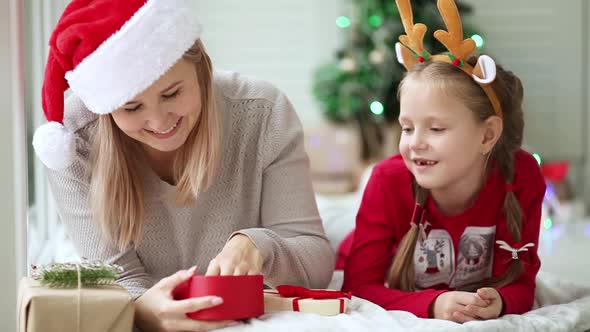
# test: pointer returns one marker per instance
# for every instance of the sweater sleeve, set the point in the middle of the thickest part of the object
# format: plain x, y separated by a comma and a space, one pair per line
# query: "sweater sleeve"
291, 238
70, 188
370, 257
518, 296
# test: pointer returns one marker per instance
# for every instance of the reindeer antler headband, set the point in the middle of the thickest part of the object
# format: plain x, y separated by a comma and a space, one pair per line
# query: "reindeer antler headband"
411, 49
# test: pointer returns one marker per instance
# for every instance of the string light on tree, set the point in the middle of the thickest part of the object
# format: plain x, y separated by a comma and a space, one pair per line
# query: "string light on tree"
348, 64
479, 41
375, 21
343, 22
547, 223
377, 107
377, 56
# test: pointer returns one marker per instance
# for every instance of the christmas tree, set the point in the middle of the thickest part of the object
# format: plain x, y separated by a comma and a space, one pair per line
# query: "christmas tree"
360, 85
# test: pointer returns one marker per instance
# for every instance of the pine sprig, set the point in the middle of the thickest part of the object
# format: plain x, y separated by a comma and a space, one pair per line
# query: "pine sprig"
65, 275
69, 278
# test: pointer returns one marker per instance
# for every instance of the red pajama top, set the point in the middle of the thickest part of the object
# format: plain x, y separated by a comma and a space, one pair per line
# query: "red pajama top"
458, 250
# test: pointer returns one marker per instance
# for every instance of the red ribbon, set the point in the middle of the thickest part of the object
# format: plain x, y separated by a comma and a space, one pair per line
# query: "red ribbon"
300, 293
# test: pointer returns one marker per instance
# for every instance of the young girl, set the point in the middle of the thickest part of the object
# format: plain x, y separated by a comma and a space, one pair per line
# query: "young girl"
459, 208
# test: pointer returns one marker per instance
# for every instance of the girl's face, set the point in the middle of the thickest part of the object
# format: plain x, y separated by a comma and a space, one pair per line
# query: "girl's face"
442, 142
162, 117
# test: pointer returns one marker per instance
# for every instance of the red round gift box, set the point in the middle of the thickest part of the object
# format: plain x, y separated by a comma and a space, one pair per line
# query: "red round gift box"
242, 296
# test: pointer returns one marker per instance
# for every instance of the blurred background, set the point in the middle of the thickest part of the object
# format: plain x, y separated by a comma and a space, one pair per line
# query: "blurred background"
335, 60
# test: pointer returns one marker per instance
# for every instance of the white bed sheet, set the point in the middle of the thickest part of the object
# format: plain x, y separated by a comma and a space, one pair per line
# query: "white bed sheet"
560, 306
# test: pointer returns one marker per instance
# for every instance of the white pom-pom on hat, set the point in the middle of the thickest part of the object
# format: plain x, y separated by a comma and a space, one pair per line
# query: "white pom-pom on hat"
54, 145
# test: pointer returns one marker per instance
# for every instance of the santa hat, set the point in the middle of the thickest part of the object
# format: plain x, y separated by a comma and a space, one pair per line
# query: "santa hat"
107, 52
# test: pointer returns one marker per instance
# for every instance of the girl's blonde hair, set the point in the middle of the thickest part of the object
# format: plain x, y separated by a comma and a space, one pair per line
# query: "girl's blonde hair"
509, 90
116, 187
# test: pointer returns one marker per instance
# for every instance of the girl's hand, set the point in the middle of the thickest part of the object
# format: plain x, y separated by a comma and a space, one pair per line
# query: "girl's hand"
493, 309
239, 256
452, 306
157, 311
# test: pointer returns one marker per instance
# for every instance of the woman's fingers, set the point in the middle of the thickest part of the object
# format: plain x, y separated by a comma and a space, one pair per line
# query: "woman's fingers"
239, 256
219, 266
213, 269
252, 272
242, 270
170, 282
195, 304
227, 268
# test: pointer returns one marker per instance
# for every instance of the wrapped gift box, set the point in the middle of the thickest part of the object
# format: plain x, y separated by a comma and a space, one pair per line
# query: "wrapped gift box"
102, 308
293, 298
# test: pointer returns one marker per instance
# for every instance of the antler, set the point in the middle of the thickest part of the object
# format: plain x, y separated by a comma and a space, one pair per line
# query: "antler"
453, 39
414, 37
413, 51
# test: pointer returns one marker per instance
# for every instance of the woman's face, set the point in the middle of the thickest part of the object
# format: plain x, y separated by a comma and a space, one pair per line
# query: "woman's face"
162, 116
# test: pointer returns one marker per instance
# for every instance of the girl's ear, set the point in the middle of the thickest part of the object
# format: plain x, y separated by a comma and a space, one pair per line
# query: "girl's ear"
493, 128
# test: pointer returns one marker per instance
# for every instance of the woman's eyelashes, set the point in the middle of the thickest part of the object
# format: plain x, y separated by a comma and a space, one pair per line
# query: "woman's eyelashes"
166, 97
134, 109
171, 95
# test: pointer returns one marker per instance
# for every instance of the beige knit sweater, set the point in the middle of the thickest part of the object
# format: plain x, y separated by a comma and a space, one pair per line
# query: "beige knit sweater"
263, 190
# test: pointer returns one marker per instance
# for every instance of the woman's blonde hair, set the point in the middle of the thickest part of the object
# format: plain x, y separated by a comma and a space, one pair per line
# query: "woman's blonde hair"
509, 90
116, 187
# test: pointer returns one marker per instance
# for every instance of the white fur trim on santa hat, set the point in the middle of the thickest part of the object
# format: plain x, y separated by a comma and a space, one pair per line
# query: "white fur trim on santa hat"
136, 56
54, 145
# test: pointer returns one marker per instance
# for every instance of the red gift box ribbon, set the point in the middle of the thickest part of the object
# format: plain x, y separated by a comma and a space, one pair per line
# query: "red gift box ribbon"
301, 293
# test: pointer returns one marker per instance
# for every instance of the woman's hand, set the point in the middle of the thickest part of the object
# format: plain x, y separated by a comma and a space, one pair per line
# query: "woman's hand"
156, 310
493, 309
453, 306
239, 256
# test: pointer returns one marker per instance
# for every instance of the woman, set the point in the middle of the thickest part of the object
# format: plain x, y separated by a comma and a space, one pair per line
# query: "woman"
173, 167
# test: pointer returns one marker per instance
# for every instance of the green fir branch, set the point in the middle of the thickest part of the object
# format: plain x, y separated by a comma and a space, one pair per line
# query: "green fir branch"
80, 274
68, 278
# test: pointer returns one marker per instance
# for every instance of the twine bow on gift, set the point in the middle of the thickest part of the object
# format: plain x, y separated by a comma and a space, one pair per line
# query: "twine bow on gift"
301, 293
